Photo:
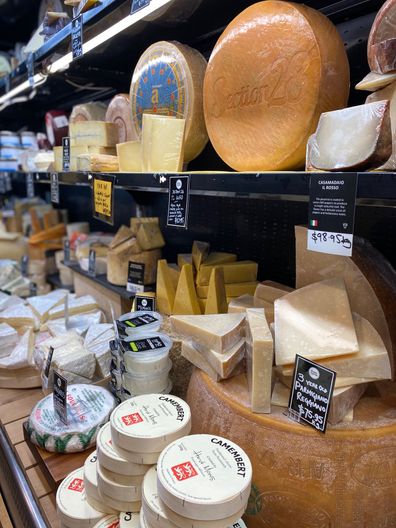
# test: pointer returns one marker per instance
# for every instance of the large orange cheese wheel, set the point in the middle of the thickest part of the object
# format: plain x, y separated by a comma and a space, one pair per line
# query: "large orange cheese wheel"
274, 70
302, 478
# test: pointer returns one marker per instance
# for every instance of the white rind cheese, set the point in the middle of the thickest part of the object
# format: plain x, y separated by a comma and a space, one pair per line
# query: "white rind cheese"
116, 490
91, 485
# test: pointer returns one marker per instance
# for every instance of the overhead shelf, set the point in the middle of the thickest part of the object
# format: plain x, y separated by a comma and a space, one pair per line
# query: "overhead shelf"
373, 188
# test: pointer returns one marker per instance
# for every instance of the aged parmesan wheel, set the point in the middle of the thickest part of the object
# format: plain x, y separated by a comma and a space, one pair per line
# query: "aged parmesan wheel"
88, 112
315, 480
383, 29
273, 71
119, 112
168, 80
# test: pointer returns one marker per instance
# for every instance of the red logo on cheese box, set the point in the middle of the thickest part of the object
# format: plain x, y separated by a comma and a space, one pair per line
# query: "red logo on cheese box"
76, 485
184, 471
132, 419
115, 524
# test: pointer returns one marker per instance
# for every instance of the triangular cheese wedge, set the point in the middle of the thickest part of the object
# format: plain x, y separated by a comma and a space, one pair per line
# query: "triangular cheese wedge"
123, 234
216, 302
269, 291
200, 252
186, 300
217, 332
174, 272
166, 288
240, 304
42, 304
314, 322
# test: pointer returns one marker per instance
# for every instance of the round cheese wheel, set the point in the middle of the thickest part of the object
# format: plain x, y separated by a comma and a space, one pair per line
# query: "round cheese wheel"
120, 505
91, 485
111, 521
174, 13
143, 520
316, 479
204, 477
138, 458
110, 459
129, 520
57, 126
133, 428
383, 29
71, 502
168, 80
116, 490
88, 112
274, 70
119, 112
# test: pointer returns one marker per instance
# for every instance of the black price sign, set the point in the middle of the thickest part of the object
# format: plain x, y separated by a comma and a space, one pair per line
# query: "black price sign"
24, 265
8, 183
311, 393
66, 251
30, 69
60, 396
135, 277
2, 184
66, 154
144, 304
103, 197
7, 81
48, 362
137, 5
32, 289
29, 185
332, 201
92, 263
54, 188
179, 198
77, 37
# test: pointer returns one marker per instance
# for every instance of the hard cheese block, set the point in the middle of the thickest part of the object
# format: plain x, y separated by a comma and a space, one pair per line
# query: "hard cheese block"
130, 251
93, 133
95, 111
184, 258
149, 236
260, 113
216, 332
298, 473
97, 163
343, 401
365, 141
168, 80
240, 304
306, 325
216, 301
232, 290
223, 363
119, 113
375, 81
389, 93
130, 156
186, 300
269, 291
166, 289
219, 257
200, 252
260, 356
382, 30
234, 272
369, 278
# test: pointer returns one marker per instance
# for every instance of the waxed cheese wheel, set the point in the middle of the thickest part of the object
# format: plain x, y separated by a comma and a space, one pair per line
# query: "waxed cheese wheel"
119, 112
274, 70
168, 80
302, 478
380, 43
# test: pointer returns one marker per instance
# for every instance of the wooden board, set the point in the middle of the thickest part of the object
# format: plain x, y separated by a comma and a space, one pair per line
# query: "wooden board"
5, 521
56, 466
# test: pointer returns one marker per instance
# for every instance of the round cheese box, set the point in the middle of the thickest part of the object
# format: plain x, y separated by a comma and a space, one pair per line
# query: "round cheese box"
120, 505
111, 521
71, 502
91, 485
112, 460
204, 477
115, 490
148, 423
129, 520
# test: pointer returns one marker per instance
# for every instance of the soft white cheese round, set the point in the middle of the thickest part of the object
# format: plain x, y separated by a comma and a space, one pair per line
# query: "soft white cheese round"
115, 489
147, 459
71, 502
135, 323
109, 458
153, 383
120, 505
204, 477
129, 520
133, 480
111, 521
143, 520
148, 423
91, 485
146, 354
158, 515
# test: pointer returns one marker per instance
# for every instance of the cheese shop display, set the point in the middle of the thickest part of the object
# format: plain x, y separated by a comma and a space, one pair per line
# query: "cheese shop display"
88, 408
92, 493
257, 124
168, 80
162, 143
369, 145
130, 156
190, 491
380, 45
95, 111
119, 113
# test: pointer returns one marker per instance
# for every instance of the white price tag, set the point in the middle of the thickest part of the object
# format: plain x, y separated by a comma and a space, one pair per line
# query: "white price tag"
332, 243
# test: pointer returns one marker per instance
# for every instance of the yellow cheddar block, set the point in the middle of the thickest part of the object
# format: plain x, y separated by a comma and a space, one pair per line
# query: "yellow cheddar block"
232, 290
130, 156
234, 272
174, 273
149, 236
202, 304
219, 257
217, 300
93, 133
186, 300
200, 252
240, 304
166, 288
184, 258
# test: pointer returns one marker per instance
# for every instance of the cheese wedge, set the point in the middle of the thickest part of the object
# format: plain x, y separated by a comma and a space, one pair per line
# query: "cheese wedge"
216, 301
343, 401
216, 332
375, 81
184, 258
123, 234
234, 272
315, 322
269, 291
130, 156
196, 358
77, 305
19, 316
202, 304
186, 300
224, 363
200, 252
174, 273
149, 236
232, 290
162, 143
166, 288
260, 357
280, 395
240, 304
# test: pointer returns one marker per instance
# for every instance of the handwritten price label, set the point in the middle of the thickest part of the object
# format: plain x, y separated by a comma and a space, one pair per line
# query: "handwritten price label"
103, 197
328, 242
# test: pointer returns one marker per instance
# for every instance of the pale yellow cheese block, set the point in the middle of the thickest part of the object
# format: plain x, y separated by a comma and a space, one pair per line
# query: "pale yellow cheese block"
93, 133
340, 381
234, 272
162, 143
216, 301
130, 156
149, 236
118, 258
269, 291
240, 304
166, 288
260, 357
232, 290
200, 252
223, 363
186, 300
184, 258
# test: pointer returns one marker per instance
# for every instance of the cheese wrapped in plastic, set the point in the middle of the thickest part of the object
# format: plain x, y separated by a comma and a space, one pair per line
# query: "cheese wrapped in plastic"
356, 138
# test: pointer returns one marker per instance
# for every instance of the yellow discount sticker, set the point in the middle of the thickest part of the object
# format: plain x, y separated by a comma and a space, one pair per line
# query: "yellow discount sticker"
103, 197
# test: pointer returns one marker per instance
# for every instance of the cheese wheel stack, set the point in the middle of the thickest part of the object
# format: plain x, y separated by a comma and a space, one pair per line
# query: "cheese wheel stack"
168, 81
274, 70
